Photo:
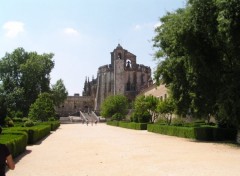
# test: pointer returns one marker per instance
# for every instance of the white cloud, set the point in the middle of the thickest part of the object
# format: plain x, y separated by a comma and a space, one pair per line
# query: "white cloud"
13, 28
71, 32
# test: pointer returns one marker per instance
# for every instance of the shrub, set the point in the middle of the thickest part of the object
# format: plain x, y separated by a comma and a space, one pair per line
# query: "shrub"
8, 122
29, 123
24, 119
113, 123
117, 116
134, 117
54, 124
16, 141
42, 108
178, 122
161, 121
17, 119
145, 117
51, 119
19, 114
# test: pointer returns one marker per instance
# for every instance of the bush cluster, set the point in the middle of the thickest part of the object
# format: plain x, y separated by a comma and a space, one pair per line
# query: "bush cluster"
17, 138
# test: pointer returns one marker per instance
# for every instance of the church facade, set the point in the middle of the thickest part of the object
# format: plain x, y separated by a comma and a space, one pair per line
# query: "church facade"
122, 76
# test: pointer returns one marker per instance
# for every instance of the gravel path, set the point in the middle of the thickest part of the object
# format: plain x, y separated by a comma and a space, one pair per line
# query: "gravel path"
102, 150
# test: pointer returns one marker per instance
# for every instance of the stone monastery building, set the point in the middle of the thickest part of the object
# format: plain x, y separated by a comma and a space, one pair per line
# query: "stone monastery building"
122, 76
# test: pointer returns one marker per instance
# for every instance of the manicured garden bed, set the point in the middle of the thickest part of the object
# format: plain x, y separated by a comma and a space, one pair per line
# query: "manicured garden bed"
129, 125
17, 138
197, 131
204, 133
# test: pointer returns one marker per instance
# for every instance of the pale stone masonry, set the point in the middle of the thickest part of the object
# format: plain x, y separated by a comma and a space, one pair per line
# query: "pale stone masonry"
122, 76
160, 91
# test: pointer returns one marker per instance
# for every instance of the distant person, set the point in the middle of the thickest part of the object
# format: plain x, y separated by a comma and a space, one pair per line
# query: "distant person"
5, 158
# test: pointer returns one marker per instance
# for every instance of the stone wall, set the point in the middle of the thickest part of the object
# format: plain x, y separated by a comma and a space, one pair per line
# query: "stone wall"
74, 104
123, 76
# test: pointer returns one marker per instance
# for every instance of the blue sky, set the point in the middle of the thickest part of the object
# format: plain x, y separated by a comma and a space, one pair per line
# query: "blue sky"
82, 33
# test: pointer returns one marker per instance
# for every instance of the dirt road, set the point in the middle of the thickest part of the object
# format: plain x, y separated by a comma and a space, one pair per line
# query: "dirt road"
102, 150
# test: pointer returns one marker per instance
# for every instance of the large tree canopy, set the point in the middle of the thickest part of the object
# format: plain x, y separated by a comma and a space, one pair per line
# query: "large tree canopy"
23, 76
59, 92
200, 45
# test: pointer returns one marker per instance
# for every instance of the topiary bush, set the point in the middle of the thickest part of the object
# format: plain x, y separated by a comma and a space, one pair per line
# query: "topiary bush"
29, 123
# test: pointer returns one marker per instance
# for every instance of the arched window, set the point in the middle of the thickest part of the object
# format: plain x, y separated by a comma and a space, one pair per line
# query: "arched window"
119, 56
128, 63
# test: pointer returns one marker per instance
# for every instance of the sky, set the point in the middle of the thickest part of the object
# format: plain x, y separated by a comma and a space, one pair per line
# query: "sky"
82, 33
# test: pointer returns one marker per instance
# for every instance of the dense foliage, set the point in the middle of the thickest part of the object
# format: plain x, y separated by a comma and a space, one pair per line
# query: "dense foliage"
145, 109
43, 108
23, 76
200, 45
114, 106
59, 92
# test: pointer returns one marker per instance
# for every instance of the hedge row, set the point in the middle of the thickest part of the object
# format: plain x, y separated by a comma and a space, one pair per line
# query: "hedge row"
35, 133
129, 125
16, 141
186, 132
54, 125
205, 133
113, 123
17, 138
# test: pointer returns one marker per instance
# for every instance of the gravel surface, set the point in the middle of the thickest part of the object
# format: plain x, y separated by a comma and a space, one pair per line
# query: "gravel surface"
102, 150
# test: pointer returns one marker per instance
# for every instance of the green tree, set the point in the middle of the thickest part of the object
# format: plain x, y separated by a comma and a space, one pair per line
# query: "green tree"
200, 46
166, 108
3, 107
145, 108
174, 70
59, 92
43, 108
114, 104
23, 76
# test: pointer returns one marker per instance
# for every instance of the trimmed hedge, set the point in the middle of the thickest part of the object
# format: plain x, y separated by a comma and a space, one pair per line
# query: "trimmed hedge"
16, 141
35, 133
53, 124
205, 133
215, 134
186, 132
17, 138
113, 123
133, 125
129, 125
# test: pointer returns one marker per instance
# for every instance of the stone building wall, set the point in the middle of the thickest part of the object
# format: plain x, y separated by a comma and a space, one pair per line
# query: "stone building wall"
122, 76
160, 91
74, 104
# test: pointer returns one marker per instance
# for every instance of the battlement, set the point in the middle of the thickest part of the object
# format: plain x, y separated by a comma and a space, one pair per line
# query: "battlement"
105, 68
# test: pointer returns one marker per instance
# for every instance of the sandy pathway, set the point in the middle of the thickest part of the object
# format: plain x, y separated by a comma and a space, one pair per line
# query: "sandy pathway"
102, 150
